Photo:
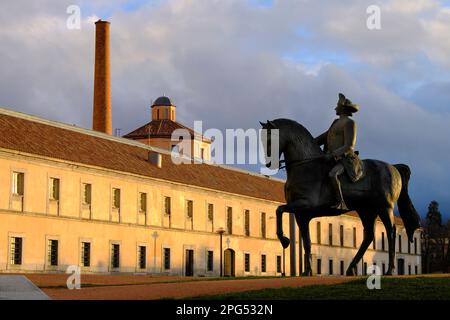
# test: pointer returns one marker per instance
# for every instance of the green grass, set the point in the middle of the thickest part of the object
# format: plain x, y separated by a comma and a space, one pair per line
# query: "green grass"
419, 288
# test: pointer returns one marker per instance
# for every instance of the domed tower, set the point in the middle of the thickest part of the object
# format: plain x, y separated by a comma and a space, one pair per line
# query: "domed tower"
163, 109
158, 132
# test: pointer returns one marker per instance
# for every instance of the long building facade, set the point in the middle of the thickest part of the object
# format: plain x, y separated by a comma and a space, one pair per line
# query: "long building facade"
71, 196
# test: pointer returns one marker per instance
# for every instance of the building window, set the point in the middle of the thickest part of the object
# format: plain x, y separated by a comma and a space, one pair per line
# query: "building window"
86, 254
415, 245
247, 262
142, 202
16, 251
330, 234
115, 256
247, 222
416, 270
318, 231
54, 189
116, 198
210, 212
167, 206
365, 269
52, 252
382, 241
354, 237
409, 246
202, 153
142, 257
87, 193
210, 261
399, 243
230, 220
383, 268
263, 263
341, 235
263, 225
166, 258
18, 181
189, 208
330, 267
278, 264
342, 267
319, 266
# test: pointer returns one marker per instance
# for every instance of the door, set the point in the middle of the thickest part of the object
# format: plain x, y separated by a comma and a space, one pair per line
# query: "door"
229, 259
401, 266
189, 269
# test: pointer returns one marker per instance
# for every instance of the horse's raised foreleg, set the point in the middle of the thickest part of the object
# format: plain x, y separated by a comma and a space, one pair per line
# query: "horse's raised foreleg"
387, 217
368, 221
292, 207
284, 240
303, 224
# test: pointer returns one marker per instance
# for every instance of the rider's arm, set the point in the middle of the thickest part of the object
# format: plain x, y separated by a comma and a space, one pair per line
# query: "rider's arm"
349, 139
322, 139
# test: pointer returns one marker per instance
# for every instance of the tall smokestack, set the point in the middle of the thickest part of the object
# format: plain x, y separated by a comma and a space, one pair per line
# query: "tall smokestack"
102, 79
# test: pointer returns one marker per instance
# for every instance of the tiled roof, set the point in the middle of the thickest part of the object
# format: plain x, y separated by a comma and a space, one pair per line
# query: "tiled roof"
53, 140
157, 129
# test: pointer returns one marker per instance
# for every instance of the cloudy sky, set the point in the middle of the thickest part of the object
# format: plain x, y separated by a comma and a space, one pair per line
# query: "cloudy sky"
232, 63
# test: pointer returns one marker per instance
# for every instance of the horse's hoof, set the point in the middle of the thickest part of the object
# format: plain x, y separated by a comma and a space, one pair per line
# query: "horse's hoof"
307, 273
285, 242
351, 272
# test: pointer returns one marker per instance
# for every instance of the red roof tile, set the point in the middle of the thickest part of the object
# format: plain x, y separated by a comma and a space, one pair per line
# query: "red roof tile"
24, 135
158, 129
60, 143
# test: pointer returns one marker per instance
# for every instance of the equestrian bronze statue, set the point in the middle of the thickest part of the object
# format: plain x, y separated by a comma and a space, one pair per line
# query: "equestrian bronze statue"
316, 185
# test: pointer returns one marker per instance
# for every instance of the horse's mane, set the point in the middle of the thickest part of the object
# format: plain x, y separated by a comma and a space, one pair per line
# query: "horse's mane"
296, 132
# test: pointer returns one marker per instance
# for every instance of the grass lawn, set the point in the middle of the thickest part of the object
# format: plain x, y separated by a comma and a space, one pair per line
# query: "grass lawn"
417, 288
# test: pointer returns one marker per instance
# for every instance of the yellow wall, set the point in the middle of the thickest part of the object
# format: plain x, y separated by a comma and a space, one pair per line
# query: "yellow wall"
36, 223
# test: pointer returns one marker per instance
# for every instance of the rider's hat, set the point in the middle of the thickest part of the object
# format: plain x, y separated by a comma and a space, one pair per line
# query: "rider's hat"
345, 104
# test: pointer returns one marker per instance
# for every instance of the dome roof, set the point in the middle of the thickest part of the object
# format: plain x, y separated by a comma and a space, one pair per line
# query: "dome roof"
162, 101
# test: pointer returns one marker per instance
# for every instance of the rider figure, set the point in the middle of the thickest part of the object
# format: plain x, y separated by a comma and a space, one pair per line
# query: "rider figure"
339, 142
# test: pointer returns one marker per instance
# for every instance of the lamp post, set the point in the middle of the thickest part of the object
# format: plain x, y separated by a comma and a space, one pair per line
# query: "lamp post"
221, 231
155, 235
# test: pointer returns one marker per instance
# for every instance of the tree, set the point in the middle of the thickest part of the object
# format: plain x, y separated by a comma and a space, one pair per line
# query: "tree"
436, 238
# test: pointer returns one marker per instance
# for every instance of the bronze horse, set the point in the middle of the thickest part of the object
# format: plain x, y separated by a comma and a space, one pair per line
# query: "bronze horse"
308, 191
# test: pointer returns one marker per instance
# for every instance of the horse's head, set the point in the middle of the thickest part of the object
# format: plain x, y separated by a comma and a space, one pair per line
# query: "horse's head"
287, 137
270, 137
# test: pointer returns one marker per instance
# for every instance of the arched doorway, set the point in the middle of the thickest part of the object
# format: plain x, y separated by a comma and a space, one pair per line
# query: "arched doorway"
229, 261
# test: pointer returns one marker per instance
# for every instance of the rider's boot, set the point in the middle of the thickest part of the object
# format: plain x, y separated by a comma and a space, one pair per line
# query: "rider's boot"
338, 198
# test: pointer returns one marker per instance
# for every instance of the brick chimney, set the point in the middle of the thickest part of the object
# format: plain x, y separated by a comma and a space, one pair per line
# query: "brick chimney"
102, 79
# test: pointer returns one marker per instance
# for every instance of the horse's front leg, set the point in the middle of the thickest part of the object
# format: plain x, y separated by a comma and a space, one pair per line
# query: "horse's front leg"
284, 240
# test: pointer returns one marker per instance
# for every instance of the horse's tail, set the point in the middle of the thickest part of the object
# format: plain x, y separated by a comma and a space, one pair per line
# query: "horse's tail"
406, 208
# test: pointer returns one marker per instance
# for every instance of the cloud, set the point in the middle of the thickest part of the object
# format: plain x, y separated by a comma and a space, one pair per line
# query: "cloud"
233, 63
